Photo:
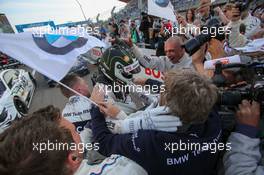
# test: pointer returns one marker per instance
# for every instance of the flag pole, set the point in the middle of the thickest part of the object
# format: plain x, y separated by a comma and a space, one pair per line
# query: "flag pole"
74, 91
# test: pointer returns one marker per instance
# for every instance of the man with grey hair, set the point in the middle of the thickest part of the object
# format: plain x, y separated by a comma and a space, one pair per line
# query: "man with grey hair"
176, 57
189, 96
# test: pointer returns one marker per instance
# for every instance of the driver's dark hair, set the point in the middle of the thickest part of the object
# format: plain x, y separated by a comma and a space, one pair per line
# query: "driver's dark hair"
19, 156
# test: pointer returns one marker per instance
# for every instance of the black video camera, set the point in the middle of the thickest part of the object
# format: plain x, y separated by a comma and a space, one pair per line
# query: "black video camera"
210, 30
253, 74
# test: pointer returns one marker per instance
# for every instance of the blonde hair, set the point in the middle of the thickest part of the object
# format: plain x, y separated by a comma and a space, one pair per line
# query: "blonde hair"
189, 95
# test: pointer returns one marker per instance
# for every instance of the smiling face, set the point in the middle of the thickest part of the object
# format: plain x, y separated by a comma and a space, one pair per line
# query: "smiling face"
173, 49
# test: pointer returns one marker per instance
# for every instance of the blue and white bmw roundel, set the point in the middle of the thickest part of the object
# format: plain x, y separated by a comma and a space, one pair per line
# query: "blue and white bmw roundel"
59, 44
162, 3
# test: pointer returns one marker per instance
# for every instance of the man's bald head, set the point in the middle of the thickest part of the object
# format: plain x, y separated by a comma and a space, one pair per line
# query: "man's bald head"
175, 40
173, 49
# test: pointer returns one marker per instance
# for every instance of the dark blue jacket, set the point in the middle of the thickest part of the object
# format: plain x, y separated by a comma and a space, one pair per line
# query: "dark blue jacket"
153, 149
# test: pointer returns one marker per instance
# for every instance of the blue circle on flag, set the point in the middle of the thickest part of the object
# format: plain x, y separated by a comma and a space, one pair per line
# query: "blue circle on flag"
64, 44
162, 3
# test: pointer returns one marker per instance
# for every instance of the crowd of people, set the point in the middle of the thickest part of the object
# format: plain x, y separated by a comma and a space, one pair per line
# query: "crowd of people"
177, 130
151, 31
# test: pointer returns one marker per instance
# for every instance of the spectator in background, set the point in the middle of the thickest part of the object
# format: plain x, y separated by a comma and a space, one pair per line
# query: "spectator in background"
252, 24
156, 28
134, 33
124, 30
113, 28
128, 19
204, 11
144, 27
190, 16
220, 14
187, 30
227, 10
163, 35
258, 11
168, 25
151, 32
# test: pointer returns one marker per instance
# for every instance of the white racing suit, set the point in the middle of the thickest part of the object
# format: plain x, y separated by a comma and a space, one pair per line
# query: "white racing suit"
94, 163
113, 165
130, 102
77, 111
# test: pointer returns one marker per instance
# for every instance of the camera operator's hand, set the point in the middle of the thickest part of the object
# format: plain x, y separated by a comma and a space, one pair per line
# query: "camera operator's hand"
216, 49
249, 114
199, 55
236, 14
198, 61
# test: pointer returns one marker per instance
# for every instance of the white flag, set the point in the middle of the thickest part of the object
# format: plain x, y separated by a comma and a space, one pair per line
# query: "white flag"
161, 8
50, 54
